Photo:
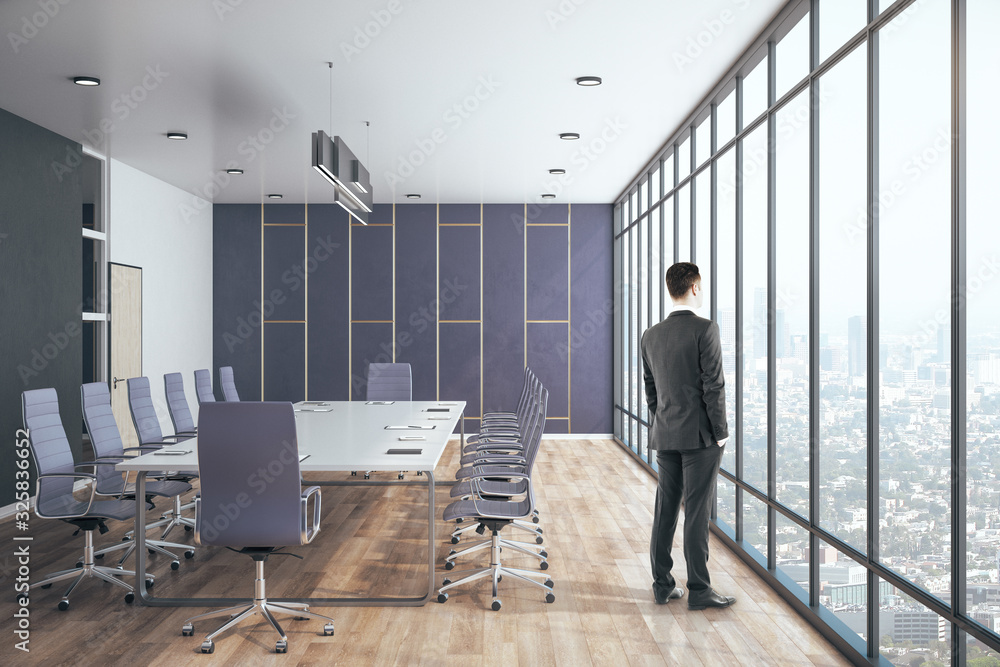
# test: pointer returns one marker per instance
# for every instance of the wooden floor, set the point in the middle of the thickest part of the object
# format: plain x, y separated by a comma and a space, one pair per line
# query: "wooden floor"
596, 512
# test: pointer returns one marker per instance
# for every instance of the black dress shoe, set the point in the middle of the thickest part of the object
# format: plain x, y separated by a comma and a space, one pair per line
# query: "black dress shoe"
709, 598
663, 596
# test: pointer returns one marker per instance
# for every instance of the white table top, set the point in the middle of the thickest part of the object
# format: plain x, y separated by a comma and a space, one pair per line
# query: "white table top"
345, 436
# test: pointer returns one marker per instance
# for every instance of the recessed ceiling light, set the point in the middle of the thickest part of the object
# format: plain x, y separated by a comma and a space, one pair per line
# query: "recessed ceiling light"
569, 135
86, 81
548, 195
413, 196
557, 171
274, 196
177, 136
588, 81
234, 171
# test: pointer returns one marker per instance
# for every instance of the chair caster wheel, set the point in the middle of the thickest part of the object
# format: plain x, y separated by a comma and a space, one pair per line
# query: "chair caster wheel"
208, 647
450, 565
79, 563
354, 473
442, 597
126, 538
187, 630
420, 473
455, 539
550, 584
46, 586
446, 582
543, 553
281, 646
150, 583
189, 554
459, 520
367, 476
98, 556
496, 605
539, 540
499, 578
399, 476
550, 598
544, 565
328, 630
188, 529
63, 605
129, 597
534, 519
452, 552
150, 552
175, 565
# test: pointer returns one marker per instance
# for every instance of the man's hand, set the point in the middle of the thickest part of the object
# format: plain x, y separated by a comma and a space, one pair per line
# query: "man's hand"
722, 443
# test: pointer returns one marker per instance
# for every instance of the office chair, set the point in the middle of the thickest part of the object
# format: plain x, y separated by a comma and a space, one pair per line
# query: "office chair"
106, 440
203, 386
177, 405
500, 457
389, 382
54, 498
494, 515
228, 384
236, 441
147, 428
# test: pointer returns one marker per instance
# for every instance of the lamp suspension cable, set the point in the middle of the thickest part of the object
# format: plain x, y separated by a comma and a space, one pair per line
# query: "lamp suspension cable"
330, 65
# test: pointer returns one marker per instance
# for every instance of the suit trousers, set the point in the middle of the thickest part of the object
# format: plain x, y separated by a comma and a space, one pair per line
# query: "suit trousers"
687, 475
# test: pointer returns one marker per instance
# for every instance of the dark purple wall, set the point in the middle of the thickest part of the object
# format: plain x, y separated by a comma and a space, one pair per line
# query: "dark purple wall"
464, 293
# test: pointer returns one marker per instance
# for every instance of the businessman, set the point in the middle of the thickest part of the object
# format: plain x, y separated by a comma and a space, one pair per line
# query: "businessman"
685, 392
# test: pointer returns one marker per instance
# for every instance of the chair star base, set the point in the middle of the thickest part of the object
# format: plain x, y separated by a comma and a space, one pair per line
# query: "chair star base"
496, 571
260, 606
88, 569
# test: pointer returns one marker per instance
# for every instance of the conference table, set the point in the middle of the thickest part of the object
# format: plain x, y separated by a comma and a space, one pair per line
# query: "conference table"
333, 436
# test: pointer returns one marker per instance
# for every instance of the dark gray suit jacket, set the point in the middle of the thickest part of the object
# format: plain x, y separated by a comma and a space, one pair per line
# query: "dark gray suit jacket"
685, 389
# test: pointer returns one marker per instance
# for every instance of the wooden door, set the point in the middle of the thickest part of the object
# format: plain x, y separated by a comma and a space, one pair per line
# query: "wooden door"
125, 344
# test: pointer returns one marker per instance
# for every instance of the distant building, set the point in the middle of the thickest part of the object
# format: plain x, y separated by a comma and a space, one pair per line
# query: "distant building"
857, 342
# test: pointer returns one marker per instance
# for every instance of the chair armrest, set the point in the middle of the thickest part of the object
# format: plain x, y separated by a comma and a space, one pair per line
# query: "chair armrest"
478, 496
310, 528
63, 475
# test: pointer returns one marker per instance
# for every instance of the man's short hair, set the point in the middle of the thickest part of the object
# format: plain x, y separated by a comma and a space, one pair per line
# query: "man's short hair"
680, 277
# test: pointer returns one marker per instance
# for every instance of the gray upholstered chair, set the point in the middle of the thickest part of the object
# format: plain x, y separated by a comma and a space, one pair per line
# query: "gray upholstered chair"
236, 509
389, 382
147, 428
177, 405
495, 514
54, 499
203, 386
106, 440
228, 384
499, 457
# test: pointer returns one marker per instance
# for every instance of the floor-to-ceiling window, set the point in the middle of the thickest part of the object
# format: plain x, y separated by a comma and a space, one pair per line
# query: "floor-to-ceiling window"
836, 190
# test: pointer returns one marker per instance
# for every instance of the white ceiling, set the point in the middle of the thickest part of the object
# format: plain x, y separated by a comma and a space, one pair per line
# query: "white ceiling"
229, 70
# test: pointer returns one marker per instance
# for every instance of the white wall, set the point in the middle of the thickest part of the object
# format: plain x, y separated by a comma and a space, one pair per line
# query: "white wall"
167, 232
